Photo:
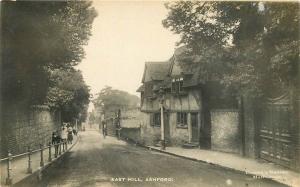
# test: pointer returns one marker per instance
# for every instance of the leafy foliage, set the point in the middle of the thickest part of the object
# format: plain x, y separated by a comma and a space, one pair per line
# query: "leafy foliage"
69, 93
109, 99
252, 47
38, 37
92, 118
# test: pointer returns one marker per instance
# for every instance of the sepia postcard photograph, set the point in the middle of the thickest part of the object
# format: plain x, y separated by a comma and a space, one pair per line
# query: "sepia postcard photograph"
149, 93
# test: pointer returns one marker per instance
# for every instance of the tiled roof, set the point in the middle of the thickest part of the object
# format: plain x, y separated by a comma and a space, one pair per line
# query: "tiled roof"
155, 71
189, 72
161, 73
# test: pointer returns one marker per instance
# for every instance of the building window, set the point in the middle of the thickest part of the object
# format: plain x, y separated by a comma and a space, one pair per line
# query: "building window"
182, 119
155, 119
177, 84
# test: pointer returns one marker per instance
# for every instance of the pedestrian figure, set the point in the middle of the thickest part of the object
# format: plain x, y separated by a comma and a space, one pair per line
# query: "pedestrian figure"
70, 135
75, 132
104, 129
55, 142
64, 135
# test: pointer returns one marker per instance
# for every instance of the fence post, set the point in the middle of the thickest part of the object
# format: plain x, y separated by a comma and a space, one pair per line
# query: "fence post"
55, 149
50, 157
59, 146
9, 160
119, 133
29, 169
42, 155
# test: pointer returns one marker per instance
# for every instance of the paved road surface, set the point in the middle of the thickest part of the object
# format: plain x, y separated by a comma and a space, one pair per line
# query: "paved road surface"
95, 161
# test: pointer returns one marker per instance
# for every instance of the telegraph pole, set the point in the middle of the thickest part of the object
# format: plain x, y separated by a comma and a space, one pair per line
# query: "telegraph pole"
161, 93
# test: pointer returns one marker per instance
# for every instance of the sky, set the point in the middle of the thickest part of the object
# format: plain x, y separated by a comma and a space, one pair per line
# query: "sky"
124, 36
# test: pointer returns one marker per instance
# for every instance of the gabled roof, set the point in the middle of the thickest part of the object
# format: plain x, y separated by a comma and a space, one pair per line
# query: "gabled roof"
161, 73
175, 68
155, 71
190, 72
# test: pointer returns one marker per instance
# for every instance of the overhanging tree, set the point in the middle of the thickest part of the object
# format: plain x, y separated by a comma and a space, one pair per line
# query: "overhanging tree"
37, 38
110, 100
69, 93
252, 47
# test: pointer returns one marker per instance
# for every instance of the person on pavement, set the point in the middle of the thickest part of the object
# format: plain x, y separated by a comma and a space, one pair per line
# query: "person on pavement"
104, 129
64, 135
74, 131
70, 135
55, 142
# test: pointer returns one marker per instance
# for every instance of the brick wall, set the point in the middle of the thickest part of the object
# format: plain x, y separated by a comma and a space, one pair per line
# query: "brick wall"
27, 127
225, 131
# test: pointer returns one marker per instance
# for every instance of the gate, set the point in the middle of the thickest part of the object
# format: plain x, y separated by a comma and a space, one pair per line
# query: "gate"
111, 127
275, 133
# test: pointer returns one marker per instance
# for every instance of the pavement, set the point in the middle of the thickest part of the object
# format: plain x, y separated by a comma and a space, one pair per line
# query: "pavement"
96, 161
20, 164
257, 168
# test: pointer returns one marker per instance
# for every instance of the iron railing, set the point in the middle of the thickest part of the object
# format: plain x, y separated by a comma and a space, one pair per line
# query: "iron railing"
59, 148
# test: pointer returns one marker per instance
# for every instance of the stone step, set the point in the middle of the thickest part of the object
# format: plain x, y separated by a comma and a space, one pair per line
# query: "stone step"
191, 145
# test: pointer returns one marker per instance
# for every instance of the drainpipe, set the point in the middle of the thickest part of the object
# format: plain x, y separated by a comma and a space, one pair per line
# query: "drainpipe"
163, 143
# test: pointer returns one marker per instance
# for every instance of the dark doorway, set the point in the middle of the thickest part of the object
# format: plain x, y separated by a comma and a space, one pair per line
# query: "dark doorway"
205, 130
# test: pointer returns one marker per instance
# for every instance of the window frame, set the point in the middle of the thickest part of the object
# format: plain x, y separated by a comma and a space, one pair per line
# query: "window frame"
177, 85
155, 119
181, 120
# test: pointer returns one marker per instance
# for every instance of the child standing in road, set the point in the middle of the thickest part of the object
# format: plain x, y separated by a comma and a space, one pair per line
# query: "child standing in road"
104, 129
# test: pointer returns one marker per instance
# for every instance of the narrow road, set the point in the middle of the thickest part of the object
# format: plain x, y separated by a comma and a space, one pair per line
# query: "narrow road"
95, 161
